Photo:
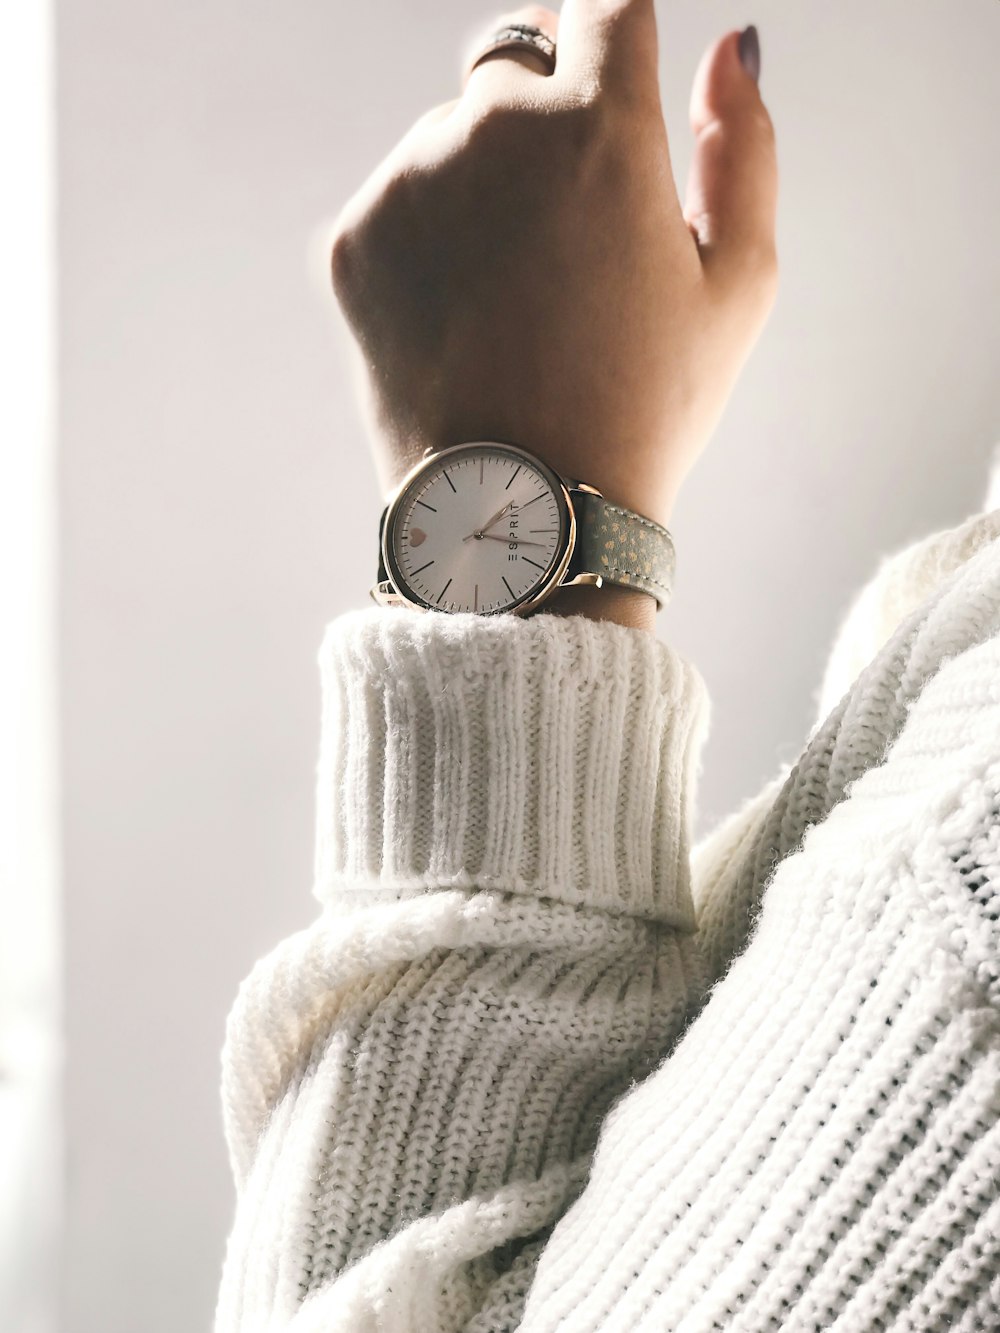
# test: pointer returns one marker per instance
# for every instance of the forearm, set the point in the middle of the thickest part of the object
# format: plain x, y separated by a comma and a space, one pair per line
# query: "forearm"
505, 944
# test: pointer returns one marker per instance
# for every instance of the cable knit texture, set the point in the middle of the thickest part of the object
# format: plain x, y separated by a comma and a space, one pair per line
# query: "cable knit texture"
927, 604
526, 1072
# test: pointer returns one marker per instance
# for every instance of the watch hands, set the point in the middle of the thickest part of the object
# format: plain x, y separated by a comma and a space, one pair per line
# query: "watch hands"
511, 541
479, 532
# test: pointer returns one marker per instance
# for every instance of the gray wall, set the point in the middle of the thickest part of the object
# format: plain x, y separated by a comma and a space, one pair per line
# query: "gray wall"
218, 506
31, 1165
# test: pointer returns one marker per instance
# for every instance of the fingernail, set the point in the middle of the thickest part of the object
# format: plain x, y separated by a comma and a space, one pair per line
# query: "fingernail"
750, 52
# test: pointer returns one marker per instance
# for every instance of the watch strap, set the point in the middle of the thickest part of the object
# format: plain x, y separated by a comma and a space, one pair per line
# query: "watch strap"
622, 547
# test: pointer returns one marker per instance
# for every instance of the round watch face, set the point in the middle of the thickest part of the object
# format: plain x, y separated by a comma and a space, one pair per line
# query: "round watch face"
479, 528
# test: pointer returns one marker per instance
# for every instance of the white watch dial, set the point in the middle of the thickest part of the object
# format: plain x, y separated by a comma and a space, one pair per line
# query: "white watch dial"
479, 529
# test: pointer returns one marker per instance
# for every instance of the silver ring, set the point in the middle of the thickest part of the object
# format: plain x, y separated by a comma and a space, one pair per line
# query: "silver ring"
516, 36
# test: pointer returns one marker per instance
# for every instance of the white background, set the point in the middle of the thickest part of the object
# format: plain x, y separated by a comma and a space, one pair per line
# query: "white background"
217, 505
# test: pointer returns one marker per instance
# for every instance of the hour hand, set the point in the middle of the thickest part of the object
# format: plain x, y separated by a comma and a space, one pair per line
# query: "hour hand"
512, 541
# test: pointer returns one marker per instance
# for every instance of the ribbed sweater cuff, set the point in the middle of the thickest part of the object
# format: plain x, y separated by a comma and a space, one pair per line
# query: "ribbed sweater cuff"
553, 756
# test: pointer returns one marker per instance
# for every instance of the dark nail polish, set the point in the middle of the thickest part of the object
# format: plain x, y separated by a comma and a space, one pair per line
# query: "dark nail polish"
750, 52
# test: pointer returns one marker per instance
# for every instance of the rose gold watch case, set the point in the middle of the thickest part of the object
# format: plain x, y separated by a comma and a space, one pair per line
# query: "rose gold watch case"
389, 592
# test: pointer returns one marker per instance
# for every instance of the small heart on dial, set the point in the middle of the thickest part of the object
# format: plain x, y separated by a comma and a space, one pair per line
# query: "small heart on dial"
417, 535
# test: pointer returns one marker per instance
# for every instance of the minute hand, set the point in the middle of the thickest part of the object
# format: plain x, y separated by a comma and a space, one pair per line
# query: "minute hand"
479, 532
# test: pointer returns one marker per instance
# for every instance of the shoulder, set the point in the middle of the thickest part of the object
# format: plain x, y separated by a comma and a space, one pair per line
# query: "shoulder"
905, 763
903, 582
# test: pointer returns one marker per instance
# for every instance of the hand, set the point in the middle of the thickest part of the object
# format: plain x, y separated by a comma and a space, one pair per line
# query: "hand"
520, 267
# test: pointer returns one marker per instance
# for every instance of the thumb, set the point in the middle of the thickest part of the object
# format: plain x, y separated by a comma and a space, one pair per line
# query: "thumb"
733, 186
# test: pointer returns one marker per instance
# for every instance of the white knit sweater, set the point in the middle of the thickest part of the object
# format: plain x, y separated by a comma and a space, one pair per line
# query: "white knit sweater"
537, 1066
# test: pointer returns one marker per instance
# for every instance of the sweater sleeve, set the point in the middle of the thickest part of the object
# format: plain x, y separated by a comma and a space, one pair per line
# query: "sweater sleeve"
413, 1086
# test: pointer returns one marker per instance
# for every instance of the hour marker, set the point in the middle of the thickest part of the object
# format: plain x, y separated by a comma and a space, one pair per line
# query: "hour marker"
444, 590
427, 506
449, 481
537, 497
541, 529
511, 482
417, 536
481, 461
475, 604
509, 588
532, 562
415, 572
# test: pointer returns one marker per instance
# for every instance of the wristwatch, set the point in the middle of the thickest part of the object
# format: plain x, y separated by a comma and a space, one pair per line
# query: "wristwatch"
486, 527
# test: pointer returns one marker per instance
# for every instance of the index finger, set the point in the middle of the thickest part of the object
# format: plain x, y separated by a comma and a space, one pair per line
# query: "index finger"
610, 45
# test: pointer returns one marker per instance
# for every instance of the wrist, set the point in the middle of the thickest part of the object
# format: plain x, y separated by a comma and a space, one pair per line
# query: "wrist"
622, 606
487, 556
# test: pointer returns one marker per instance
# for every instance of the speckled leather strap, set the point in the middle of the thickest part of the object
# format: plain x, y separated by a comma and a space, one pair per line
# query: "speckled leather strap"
623, 547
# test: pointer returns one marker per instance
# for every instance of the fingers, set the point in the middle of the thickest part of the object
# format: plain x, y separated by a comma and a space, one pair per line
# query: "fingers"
509, 65
733, 186
611, 46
